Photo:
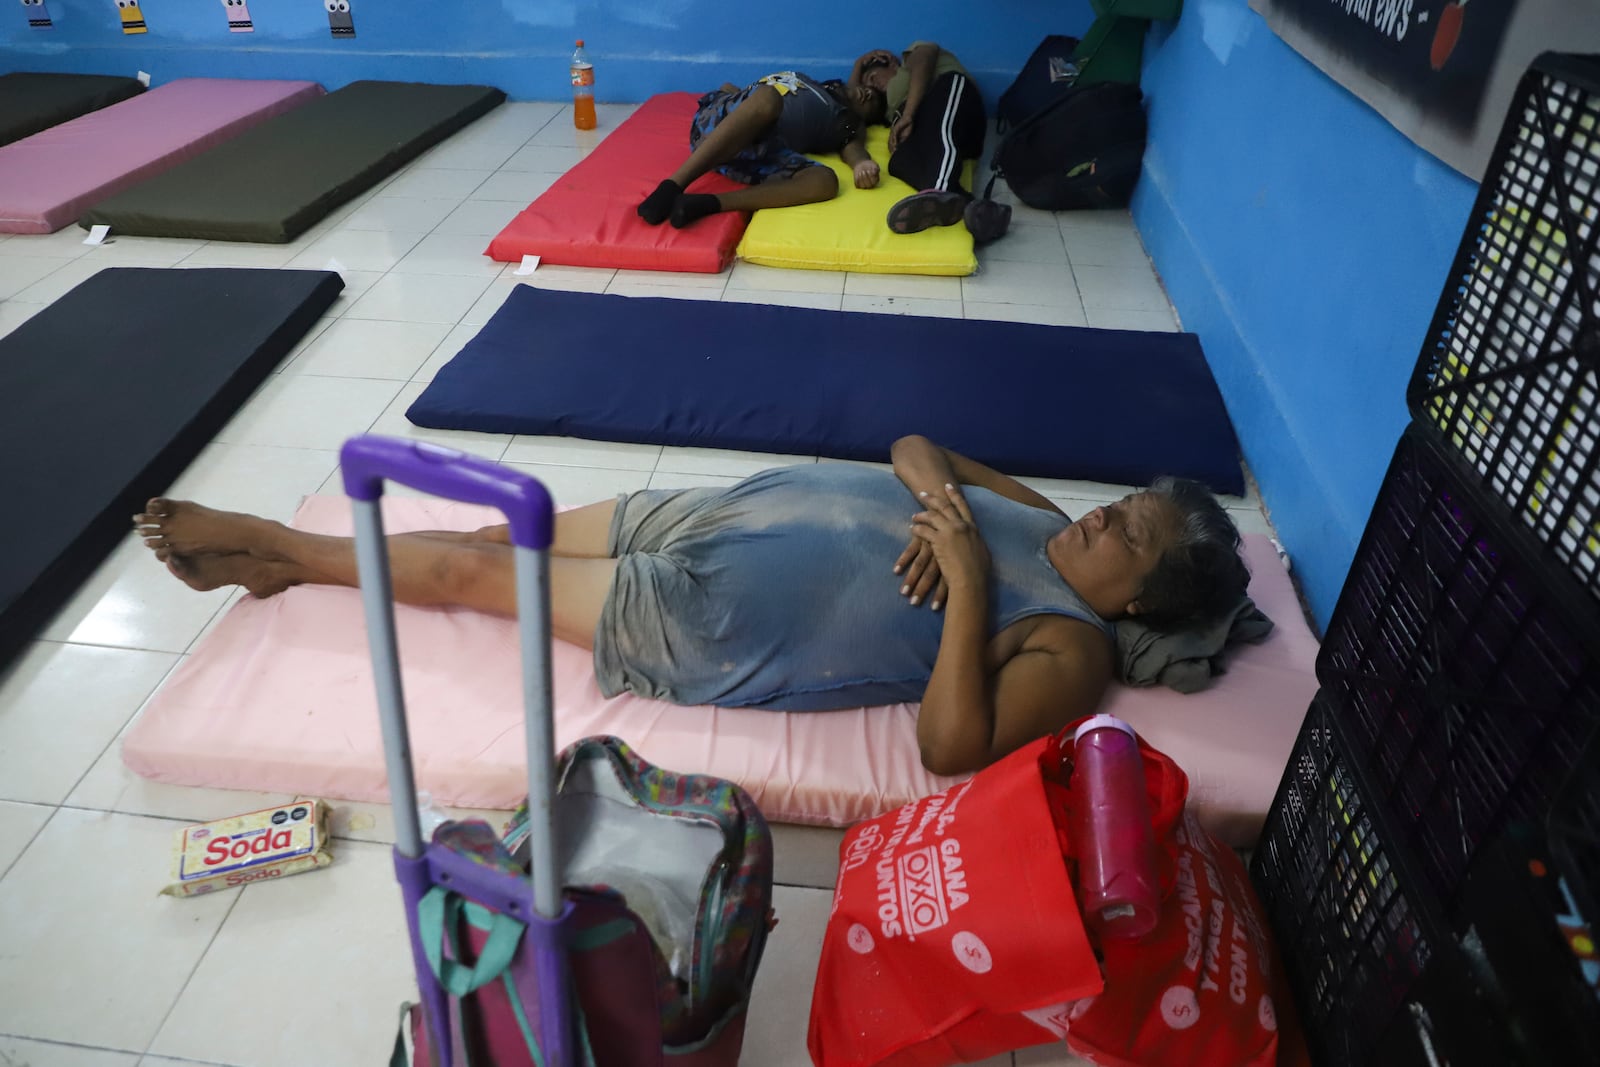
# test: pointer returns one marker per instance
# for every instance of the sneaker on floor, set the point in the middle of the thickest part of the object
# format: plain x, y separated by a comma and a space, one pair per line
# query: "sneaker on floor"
987, 219
931, 207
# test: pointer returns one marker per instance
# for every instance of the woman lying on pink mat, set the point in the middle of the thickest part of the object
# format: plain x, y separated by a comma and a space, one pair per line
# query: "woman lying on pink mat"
777, 592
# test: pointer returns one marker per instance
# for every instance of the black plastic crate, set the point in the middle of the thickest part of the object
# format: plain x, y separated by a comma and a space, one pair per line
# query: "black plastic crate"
1366, 950
1574, 831
1470, 679
1535, 947
1507, 374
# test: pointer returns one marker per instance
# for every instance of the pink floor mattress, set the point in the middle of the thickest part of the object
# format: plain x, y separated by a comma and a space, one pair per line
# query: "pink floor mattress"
279, 698
49, 179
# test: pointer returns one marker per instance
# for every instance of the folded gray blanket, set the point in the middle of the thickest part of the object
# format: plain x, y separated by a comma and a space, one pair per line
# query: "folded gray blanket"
1185, 660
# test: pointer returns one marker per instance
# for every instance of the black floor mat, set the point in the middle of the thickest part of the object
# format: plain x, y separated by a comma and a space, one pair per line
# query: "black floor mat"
110, 392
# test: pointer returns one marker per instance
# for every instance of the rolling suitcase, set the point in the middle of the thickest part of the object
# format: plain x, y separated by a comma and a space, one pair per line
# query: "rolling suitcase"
627, 928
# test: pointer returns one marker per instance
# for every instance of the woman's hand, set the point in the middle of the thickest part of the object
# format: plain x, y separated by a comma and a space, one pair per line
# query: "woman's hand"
922, 576
901, 129
866, 174
947, 527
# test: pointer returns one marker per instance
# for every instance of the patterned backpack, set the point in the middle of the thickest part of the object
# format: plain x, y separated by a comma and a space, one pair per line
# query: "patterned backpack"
670, 881
632, 836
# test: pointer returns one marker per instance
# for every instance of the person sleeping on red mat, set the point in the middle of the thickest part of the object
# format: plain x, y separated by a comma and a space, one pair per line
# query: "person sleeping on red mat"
809, 588
759, 137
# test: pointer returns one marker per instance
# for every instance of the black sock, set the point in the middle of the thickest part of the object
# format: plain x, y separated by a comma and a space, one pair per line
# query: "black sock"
658, 205
693, 206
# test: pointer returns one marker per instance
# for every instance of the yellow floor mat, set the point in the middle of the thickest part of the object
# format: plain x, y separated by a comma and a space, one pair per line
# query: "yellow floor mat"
849, 232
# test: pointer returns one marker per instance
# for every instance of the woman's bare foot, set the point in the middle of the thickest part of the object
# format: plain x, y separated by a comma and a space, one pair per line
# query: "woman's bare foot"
184, 528
262, 578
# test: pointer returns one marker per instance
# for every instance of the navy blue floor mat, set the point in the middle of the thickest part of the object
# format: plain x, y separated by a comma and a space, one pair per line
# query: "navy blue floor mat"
1051, 401
110, 392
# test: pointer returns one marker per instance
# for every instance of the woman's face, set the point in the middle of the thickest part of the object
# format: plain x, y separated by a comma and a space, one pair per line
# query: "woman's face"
1108, 553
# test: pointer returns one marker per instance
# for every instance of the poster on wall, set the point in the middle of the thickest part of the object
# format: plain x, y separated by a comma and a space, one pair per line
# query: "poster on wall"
340, 22
132, 18
1441, 71
38, 14
238, 13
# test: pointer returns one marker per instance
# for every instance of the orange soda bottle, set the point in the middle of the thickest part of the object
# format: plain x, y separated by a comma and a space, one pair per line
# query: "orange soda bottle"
582, 90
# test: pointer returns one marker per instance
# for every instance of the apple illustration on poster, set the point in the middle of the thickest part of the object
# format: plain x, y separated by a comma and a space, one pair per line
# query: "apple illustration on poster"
1446, 33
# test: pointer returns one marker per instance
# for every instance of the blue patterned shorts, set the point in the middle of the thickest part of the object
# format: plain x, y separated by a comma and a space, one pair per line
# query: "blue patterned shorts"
762, 161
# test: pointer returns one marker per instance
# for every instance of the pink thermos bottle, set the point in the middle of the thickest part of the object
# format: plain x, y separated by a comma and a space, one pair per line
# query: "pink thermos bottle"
1117, 881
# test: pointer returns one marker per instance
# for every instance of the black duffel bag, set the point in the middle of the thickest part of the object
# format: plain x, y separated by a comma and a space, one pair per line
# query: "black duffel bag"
1082, 151
1045, 78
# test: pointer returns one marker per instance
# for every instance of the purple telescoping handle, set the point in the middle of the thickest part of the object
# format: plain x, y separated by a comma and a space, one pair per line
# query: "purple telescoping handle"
367, 461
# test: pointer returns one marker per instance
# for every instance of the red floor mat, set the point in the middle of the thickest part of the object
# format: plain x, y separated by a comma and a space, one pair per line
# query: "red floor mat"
587, 218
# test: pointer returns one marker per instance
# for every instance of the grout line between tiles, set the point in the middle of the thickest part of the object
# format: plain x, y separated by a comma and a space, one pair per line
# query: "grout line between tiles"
117, 734
8, 1062
176, 822
117, 648
802, 885
1072, 272
199, 960
31, 839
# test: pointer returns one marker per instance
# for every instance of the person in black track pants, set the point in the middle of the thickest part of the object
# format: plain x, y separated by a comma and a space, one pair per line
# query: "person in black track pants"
937, 124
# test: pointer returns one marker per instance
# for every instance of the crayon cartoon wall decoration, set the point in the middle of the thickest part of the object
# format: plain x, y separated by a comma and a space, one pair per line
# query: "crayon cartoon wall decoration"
132, 18
38, 14
238, 16
340, 21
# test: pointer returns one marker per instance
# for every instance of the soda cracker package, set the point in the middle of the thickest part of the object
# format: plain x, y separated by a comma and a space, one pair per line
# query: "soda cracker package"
256, 846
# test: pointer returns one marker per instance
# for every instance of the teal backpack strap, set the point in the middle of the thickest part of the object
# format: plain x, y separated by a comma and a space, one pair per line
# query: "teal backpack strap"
601, 935
439, 915
522, 1020
398, 1057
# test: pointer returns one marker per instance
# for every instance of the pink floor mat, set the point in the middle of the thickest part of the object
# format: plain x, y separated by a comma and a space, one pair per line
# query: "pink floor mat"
49, 179
278, 698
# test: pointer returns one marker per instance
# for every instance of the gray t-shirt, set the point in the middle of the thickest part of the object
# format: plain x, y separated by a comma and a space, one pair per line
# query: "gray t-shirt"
813, 120
779, 592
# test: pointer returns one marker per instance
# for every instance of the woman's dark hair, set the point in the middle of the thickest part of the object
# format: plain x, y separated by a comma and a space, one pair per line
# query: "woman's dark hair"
1200, 576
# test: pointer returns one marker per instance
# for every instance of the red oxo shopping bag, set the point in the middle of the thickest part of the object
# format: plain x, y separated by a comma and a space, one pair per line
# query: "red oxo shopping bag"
955, 933
1198, 991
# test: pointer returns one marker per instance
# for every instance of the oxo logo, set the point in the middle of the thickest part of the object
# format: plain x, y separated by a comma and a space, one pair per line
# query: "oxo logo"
918, 890
920, 882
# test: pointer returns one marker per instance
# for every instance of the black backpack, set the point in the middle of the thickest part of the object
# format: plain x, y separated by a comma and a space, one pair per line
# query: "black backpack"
1046, 77
1082, 151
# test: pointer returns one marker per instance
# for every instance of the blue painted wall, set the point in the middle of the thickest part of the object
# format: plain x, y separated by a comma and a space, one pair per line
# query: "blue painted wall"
1298, 233
1306, 242
639, 47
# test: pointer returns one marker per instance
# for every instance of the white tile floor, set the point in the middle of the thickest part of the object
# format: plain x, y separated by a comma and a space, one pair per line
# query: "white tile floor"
98, 971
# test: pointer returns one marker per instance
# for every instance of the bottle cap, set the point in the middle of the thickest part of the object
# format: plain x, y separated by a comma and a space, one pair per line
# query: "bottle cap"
1100, 722
580, 42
